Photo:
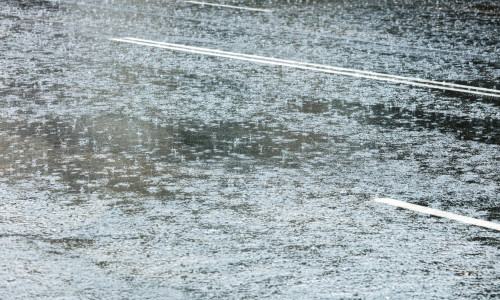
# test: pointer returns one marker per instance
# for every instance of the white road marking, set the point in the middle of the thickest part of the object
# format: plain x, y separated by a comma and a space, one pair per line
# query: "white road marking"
439, 213
319, 66
228, 6
316, 67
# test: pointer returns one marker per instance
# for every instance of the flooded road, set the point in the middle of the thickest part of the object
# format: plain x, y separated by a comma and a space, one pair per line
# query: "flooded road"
136, 172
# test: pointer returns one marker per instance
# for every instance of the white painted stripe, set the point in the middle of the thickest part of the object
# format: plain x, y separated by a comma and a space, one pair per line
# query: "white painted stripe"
323, 66
439, 213
309, 66
228, 6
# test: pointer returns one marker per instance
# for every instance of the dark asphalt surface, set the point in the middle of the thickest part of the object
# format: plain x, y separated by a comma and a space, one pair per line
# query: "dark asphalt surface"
134, 172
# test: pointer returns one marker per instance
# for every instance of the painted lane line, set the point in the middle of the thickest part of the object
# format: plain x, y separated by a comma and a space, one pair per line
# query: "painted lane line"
303, 66
323, 66
228, 6
298, 66
439, 213
264, 61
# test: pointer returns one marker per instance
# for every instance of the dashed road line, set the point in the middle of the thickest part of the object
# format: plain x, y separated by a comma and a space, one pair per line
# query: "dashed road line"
229, 6
317, 67
439, 213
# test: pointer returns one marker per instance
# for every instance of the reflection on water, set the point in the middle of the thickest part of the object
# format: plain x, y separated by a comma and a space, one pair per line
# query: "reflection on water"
121, 153
486, 130
37, 4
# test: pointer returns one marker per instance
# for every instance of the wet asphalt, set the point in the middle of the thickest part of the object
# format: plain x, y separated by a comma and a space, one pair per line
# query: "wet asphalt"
135, 172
